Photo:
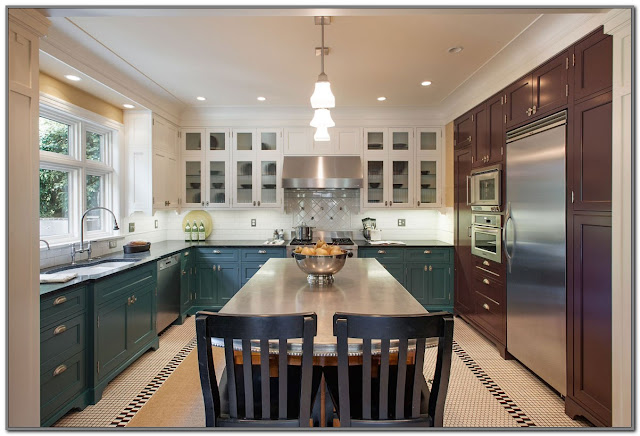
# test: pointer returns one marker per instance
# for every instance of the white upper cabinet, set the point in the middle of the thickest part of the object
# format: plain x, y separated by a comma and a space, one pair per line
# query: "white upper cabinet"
346, 140
298, 141
428, 167
165, 140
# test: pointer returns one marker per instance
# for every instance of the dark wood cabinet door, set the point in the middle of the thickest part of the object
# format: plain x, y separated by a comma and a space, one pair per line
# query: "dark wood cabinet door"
590, 154
593, 65
462, 235
519, 96
550, 85
496, 129
480, 136
463, 131
589, 310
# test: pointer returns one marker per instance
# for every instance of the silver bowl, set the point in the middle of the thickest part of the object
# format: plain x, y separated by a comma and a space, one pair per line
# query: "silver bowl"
320, 269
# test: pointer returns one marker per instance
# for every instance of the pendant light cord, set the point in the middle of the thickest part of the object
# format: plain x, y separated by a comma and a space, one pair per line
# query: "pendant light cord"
322, 54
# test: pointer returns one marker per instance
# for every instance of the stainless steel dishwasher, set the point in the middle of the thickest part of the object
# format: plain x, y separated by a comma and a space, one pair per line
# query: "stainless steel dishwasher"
168, 301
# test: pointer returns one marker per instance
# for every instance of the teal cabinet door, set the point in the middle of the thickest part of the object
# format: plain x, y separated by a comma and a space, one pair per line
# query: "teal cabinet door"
228, 276
141, 317
186, 280
396, 270
207, 285
418, 282
112, 345
440, 285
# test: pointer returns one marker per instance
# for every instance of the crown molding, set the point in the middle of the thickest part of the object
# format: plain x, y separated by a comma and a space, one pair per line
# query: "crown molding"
522, 55
30, 19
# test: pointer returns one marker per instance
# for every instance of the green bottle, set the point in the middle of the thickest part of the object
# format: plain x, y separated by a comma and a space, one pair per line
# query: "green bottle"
194, 232
201, 232
187, 232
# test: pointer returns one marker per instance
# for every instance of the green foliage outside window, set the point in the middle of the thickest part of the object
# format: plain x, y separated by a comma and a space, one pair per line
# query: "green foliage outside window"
54, 194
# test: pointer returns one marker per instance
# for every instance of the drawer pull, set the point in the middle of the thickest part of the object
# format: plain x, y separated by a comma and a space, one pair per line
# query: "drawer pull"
218, 267
216, 251
60, 329
382, 252
427, 251
60, 300
59, 370
260, 265
485, 262
485, 281
487, 271
485, 306
262, 251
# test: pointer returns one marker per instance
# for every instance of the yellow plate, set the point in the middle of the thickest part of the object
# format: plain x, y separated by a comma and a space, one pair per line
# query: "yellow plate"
199, 215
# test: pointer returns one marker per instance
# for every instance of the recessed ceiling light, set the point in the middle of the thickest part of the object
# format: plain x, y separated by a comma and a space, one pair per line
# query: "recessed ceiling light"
72, 77
262, 98
200, 98
382, 98
426, 83
457, 49
128, 106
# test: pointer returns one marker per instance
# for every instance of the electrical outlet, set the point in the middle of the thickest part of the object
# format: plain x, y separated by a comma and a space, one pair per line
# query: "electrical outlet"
401, 222
132, 227
156, 223
113, 244
253, 222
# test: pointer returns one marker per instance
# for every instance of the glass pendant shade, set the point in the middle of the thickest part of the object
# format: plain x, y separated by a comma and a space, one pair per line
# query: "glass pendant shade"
322, 134
322, 96
322, 118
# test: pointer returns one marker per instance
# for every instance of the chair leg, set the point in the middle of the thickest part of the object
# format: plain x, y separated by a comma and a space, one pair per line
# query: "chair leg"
328, 406
317, 409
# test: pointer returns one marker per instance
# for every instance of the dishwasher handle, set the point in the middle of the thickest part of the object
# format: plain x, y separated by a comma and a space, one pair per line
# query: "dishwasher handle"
168, 262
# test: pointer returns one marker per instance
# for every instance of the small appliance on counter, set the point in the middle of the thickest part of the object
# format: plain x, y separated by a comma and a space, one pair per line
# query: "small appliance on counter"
369, 224
375, 234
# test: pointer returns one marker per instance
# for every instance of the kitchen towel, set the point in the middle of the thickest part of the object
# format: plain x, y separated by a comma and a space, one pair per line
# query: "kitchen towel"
60, 277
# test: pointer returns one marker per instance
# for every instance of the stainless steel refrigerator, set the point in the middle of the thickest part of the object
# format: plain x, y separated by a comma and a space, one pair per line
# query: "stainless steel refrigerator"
534, 237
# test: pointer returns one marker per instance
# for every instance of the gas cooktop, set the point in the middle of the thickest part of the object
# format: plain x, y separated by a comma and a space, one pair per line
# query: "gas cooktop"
333, 241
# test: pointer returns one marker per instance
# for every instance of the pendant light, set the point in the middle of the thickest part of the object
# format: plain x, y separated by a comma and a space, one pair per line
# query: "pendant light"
322, 118
322, 134
322, 97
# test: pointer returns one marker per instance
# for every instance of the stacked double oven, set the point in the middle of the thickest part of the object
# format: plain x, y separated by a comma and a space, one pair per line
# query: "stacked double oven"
486, 218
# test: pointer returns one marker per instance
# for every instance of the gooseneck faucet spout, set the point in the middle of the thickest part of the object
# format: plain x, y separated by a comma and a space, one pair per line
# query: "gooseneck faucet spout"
82, 249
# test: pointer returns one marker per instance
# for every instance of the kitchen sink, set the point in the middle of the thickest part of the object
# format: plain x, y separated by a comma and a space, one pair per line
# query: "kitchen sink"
93, 268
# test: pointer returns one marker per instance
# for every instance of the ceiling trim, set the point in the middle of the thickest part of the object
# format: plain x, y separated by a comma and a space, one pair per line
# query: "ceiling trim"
522, 55
30, 19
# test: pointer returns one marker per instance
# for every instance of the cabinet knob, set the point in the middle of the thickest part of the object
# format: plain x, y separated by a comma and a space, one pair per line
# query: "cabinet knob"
418, 202
60, 329
260, 265
184, 272
216, 251
219, 268
390, 203
485, 306
528, 112
386, 203
485, 262
430, 268
262, 251
258, 202
427, 251
60, 300
382, 252
469, 139
426, 268
486, 281
59, 370
254, 203
202, 203
534, 109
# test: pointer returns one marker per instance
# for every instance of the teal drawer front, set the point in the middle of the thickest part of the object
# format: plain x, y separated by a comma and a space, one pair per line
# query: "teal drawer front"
387, 254
62, 305
62, 340
431, 255
219, 254
61, 384
126, 282
260, 254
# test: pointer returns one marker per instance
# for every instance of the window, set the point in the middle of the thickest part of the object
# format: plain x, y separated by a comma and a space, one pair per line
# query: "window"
76, 174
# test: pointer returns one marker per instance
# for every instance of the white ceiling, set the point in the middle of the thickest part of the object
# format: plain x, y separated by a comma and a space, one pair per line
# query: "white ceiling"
231, 60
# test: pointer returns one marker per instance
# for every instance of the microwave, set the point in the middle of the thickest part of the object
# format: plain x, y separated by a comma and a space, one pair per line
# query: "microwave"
485, 184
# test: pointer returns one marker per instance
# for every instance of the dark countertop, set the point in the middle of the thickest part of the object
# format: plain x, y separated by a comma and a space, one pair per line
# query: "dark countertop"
408, 243
157, 251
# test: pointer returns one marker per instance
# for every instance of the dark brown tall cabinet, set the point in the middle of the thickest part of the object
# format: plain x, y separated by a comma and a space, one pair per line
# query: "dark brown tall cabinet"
579, 80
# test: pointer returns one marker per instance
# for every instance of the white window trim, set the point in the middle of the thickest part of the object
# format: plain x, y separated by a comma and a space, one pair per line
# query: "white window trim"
83, 121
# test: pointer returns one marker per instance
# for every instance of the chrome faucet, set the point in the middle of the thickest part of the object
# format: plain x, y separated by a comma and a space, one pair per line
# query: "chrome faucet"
88, 249
48, 246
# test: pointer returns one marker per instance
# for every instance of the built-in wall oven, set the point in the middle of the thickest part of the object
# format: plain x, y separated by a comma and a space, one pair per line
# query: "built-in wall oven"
485, 189
486, 236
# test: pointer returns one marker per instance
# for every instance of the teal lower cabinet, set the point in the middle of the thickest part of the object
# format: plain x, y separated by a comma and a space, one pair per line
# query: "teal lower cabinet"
63, 353
427, 273
187, 283
124, 323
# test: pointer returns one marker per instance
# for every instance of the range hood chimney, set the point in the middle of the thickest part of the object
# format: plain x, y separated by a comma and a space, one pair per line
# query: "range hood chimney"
322, 172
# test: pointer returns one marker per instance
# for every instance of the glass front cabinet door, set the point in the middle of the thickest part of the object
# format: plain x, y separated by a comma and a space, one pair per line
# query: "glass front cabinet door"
244, 183
192, 140
193, 186
269, 183
375, 189
218, 164
401, 183
428, 167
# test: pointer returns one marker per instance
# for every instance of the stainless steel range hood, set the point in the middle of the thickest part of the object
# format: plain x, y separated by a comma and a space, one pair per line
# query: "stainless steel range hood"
322, 172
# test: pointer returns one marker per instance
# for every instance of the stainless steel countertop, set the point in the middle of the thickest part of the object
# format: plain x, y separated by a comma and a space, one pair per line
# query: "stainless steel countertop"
362, 286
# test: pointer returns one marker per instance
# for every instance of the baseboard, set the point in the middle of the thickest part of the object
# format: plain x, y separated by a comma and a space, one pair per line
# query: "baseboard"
574, 409
79, 402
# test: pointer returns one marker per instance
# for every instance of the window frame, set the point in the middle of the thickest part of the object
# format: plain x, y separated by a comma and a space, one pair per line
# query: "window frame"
79, 167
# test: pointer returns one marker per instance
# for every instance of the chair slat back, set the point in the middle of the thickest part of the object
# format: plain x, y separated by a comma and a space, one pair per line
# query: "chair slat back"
256, 330
399, 329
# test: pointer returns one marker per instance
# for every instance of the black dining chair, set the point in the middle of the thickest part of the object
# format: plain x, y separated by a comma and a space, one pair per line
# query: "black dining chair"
393, 395
247, 395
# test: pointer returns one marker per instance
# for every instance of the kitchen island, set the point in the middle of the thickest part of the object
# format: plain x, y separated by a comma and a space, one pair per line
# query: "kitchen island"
363, 286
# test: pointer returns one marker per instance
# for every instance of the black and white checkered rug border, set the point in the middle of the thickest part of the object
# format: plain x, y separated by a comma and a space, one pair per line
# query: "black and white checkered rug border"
140, 400
505, 401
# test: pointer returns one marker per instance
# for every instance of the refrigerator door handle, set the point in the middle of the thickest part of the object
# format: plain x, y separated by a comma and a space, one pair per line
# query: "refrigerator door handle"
504, 237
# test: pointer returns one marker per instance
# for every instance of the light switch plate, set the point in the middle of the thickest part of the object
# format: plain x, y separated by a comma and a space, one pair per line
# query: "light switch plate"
401, 222
156, 223
132, 227
113, 244
253, 222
